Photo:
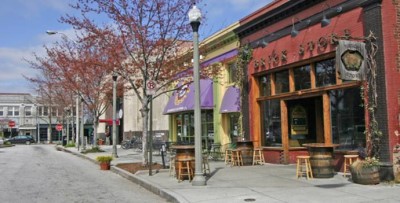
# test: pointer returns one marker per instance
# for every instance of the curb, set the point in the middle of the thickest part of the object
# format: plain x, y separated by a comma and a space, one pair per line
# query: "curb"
129, 176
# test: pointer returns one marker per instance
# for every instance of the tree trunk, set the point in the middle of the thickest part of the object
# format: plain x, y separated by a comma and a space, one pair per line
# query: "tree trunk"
145, 115
95, 125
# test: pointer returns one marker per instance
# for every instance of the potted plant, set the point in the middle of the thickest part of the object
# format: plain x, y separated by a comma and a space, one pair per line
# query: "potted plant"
104, 162
365, 171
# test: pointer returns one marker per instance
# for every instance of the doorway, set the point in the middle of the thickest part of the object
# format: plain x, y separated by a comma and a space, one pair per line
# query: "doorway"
305, 121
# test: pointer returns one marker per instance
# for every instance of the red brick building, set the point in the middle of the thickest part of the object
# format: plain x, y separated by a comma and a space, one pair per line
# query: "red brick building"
298, 94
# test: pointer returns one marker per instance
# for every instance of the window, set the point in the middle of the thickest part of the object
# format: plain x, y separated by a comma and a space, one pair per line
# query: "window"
348, 123
1, 110
302, 78
232, 71
28, 111
10, 110
45, 111
272, 123
265, 83
185, 128
325, 73
16, 111
53, 111
282, 81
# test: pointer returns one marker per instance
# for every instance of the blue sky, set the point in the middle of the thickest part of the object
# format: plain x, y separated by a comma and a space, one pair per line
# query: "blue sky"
24, 23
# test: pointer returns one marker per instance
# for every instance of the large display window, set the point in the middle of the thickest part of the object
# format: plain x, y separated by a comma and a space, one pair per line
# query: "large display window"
348, 119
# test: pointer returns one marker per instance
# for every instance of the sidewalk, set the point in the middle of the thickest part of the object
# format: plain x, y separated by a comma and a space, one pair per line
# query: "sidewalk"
267, 183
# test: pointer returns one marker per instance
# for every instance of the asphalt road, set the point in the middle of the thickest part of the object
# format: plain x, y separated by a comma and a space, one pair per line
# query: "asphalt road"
40, 173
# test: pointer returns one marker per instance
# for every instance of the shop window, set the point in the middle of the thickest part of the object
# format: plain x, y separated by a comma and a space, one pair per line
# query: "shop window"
272, 123
325, 73
348, 123
282, 81
302, 78
234, 126
265, 83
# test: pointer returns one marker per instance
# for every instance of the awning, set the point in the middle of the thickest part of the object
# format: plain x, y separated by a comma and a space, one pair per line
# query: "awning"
183, 99
231, 101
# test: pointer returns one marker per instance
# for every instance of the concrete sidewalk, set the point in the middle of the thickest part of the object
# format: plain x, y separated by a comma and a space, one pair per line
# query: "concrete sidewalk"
266, 183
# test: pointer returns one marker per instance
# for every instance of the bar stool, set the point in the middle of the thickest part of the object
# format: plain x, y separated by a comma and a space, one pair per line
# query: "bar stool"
228, 156
172, 168
237, 159
185, 169
206, 165
348, 160
303, 161
258, 156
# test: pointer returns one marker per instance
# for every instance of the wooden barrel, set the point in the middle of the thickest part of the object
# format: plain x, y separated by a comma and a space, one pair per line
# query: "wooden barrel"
246, 148
322, 162
365, 176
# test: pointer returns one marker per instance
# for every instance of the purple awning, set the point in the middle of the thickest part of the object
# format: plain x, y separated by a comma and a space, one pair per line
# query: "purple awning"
183, 99
231, 101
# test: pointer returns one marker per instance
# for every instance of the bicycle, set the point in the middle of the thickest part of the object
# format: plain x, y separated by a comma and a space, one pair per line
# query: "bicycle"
132, 143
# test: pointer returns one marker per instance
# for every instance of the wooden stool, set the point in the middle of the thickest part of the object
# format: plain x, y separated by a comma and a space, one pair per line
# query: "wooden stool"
237, 159
228, 156
303, 161
172, 166
185, 169
348, 160
206, 165
258, 156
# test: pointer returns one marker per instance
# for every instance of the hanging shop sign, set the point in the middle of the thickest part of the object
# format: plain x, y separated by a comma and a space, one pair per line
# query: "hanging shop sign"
351, 60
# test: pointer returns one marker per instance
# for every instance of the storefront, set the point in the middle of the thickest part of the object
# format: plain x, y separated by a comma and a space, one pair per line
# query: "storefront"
297, 93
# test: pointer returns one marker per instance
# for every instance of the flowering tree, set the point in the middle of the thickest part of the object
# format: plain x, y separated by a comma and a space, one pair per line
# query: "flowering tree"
153, 34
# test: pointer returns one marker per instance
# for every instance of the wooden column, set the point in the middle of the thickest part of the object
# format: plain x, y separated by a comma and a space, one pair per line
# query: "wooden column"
284, 130
326, 103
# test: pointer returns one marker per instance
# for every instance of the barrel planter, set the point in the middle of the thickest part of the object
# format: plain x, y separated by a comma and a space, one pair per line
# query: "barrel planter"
364, 175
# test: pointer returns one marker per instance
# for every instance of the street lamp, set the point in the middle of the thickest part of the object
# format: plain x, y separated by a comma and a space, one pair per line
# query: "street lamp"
114, 112
194, 19
77, 142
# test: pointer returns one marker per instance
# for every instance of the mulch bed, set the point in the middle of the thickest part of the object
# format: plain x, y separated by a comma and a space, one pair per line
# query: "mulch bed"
134, 167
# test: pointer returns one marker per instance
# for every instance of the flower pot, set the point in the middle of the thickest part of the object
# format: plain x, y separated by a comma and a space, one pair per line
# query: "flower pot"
365, 175
100, 142
105, 166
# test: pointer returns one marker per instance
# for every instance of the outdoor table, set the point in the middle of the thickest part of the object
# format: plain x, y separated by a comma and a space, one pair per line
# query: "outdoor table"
321, 158
246, 148
183, 152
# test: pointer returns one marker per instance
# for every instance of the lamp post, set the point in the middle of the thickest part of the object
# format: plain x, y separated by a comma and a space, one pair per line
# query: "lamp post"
114, 112
37, 124
194, 19
77, 142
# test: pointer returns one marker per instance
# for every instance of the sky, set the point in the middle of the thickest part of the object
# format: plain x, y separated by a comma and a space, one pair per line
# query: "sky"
24, 23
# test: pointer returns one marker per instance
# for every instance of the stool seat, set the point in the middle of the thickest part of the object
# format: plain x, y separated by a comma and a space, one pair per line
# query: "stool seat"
258, 156
303, 161
348, 160
228, 156
237, 159
184, 168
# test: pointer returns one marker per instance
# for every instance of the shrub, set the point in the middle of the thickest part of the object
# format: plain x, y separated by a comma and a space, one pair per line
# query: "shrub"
104, 159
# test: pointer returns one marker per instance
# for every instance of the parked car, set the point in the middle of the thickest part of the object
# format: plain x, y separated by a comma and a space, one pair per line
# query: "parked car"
20, 139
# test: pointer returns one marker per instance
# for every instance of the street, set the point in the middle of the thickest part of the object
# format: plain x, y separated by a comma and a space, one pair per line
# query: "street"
40, 173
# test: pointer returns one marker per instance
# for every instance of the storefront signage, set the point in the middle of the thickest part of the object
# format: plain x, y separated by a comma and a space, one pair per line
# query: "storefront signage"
351, 60
299, 123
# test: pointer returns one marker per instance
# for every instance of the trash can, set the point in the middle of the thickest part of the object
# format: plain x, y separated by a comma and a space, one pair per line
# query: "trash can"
64, 140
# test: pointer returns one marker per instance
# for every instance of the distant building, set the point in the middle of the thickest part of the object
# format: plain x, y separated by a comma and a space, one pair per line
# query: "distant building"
30, 118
